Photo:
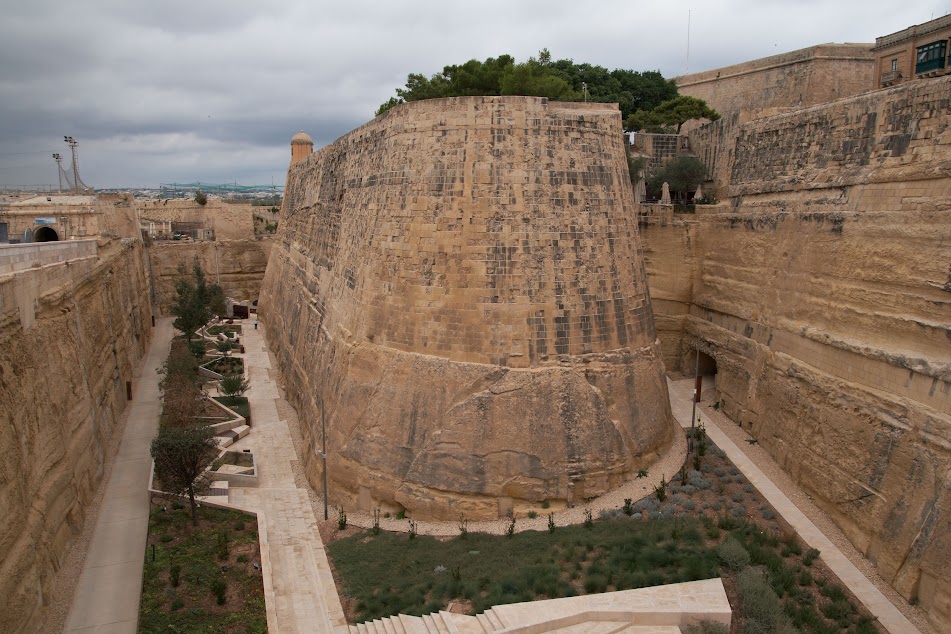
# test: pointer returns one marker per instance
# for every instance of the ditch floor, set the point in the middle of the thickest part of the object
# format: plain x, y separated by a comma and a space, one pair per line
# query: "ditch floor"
707, 521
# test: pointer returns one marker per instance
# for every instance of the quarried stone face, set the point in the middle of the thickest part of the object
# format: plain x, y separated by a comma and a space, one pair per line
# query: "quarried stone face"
460, 283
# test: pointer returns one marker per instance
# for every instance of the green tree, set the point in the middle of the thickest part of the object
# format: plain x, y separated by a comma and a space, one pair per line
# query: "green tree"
668, 117
181, 455
682, 174
542, 76
234, 385
195, 300
201, 198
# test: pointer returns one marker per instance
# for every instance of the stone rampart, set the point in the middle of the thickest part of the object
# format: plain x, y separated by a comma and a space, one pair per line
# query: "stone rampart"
71, 335
459, 283
822, 290
809, 76
229, 221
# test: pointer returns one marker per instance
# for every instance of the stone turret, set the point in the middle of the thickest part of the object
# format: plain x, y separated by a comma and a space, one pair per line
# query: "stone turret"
302, 146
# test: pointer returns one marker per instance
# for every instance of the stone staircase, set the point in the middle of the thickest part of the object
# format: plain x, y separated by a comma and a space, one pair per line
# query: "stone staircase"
653, 610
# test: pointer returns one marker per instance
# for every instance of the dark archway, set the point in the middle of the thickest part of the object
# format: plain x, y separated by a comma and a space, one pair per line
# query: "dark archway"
707, 365
45, 234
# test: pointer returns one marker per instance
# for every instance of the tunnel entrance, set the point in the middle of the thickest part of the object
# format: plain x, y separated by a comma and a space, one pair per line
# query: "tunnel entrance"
45, 234
706, 369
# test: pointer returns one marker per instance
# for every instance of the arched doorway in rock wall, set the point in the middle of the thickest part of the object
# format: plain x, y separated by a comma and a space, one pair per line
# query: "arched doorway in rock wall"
706, 368
45, 234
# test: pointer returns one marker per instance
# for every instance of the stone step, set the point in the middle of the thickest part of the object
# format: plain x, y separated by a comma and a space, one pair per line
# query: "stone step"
430, 624
462, 623
242, 430
494, 619
484, 621
378, 624
397, 624
412, 624
354, 629
362, 628
441, 626
388, 626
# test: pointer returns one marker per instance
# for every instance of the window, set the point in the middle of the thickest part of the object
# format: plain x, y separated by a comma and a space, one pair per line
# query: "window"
930, 56
894, 65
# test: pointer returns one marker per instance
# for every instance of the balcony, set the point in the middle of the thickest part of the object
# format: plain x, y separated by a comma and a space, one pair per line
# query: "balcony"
930, 66
890, 77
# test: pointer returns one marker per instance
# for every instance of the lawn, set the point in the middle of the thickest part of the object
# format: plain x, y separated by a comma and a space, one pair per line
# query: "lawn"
237, 403
389, 573
217, 559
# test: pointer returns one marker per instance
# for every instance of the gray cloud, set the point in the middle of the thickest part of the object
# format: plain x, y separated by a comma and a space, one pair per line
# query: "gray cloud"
213, 90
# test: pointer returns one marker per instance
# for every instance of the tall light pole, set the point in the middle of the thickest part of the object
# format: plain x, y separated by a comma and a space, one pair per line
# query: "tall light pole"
59, 169
73, 144
696, 396
323, 453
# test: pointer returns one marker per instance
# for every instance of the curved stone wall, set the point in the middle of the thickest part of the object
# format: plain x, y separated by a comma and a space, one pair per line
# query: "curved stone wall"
460, 282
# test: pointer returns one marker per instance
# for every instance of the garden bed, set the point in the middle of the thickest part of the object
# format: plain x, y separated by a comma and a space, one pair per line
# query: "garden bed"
706, 522
231, 330
238, 404
225, 366
193, 567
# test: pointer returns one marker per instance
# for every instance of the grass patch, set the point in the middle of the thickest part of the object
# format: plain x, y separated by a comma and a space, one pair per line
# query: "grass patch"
388, 573
226, 366
238, 403
202, 579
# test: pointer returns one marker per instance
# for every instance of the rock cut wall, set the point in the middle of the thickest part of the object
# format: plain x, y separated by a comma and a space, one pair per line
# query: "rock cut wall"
459, 283
71, 335
822, 289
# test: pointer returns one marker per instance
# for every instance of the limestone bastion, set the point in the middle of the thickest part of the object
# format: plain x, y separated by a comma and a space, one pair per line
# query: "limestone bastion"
459, 283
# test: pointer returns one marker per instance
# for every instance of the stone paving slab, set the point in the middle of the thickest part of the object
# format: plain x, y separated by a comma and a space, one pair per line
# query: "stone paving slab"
681, 395
110, 584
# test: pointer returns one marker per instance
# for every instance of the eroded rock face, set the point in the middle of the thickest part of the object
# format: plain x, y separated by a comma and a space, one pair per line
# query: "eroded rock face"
821, 291
71, 336
459, 282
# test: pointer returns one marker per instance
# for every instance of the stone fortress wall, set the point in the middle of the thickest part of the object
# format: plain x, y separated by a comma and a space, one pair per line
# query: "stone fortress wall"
71, 335
809, 76
230, 221
459, 283
821, 287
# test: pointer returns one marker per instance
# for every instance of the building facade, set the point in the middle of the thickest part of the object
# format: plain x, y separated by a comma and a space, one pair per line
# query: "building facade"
917, 52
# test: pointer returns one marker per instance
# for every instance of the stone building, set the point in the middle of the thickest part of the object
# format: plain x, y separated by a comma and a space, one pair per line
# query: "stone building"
917, 52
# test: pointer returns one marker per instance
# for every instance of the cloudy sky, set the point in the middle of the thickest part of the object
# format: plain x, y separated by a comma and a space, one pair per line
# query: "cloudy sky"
212, 91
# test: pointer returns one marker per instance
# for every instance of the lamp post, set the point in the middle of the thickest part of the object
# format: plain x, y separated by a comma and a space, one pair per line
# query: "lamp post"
323, 453
696, 397
59, 169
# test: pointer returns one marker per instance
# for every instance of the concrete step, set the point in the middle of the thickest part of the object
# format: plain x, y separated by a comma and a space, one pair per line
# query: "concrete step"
362, 628
242, 431
441, 624
388, 626
353, 629
430, 624
462, 623
378, 625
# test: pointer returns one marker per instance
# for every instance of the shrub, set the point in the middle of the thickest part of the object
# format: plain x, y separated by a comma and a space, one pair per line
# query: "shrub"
463, 526
768, 514
223, 347
732, 554
628, 506
177, 604
810, 556
532, 515
551, 523
219, 587
341, 519
239, 525
510, 530
376, 522
588, 521
223, 539
174, 575
660, 492
242, 558
707, 627
233, 385
763, 611
201, 198
805, 578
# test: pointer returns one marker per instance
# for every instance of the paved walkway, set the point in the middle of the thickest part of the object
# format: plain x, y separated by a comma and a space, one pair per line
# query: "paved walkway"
681, 394
299, 589
107, 594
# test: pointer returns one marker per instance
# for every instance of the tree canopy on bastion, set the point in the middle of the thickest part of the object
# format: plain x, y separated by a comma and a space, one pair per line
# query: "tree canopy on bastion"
563, 80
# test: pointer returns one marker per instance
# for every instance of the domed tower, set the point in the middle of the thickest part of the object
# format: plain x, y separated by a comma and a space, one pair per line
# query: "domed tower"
302, 146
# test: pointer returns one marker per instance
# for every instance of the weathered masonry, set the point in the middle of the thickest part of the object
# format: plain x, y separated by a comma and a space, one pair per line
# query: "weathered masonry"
458, 285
